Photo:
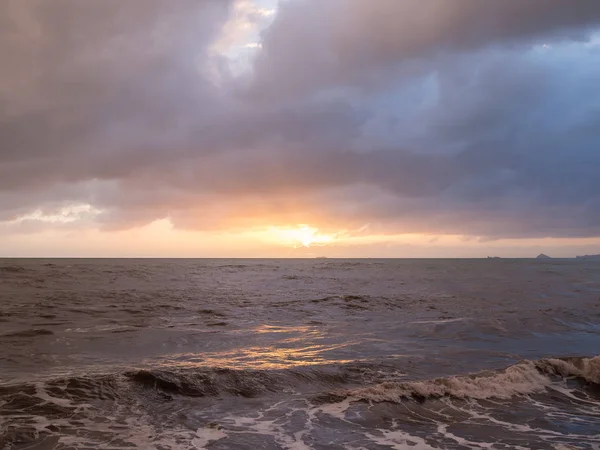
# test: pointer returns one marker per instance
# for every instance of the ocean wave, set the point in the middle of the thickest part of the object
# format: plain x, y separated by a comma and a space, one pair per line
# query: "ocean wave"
252, 383
584, 368
33, 332
211, 312
88, 410
233, 266
524, 378
12, 269
204, 382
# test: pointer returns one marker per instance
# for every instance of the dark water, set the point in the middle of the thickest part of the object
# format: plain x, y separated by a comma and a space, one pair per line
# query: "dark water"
299, 354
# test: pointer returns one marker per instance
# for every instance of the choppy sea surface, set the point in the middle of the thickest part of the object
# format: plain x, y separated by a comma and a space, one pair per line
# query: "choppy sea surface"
299, 354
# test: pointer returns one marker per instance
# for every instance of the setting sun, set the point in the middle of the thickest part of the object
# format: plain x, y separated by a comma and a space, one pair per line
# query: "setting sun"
300, 236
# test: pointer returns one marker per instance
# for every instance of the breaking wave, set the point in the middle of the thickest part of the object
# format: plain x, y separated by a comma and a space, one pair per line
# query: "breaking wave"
71, 410
523, 378
370, 382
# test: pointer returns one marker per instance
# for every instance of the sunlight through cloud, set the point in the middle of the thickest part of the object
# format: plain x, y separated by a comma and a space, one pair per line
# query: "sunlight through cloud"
300, 236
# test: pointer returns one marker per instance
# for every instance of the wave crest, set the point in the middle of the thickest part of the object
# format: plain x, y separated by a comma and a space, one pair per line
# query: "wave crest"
206, 383
523, 378
584, 368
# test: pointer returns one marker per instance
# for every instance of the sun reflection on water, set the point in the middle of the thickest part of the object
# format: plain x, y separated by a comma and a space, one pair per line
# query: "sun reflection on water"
303, 347
262, 358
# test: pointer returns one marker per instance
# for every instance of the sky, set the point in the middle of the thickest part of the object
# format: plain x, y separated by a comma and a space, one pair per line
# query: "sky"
299, 128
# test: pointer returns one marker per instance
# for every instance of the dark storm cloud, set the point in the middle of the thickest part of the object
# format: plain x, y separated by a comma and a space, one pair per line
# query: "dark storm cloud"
349, 41
413, 116
96, 86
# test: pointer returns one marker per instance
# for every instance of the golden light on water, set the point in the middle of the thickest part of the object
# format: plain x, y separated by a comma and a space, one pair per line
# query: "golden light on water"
289, 346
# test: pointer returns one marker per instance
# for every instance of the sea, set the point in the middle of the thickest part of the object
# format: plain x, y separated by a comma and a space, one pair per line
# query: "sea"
299, 354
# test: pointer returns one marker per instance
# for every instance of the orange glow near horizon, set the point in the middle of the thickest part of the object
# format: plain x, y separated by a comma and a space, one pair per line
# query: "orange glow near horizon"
161, 239
299, 236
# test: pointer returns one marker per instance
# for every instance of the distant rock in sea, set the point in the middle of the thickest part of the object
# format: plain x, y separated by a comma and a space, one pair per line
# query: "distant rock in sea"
594, 257
543, 256
493, 257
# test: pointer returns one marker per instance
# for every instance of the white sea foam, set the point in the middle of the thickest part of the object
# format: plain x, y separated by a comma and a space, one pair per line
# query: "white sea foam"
272, 422
520, 379
586, 368
337, 410
206, 435
399, 440
443, 431
373, 320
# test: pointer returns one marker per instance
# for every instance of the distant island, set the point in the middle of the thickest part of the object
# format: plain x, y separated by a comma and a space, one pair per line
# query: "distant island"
594, 257
543, 256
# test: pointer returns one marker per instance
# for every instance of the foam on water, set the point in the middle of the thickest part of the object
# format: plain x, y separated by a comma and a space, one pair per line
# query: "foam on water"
299, 354
206, 435
83, 412
586, 368
399, 440
522, 378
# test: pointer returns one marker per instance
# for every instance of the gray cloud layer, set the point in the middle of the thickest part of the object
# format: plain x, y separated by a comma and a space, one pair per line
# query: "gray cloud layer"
442, 116
350, 41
